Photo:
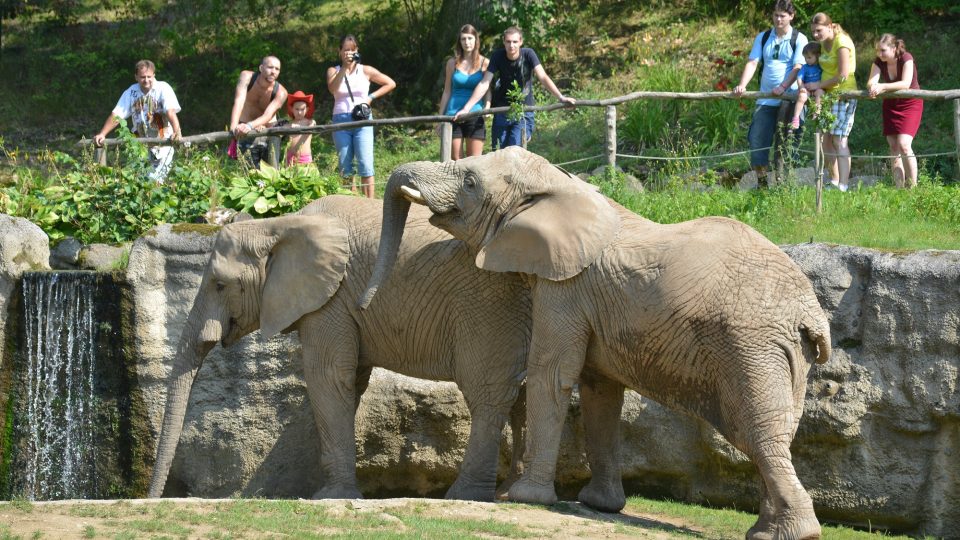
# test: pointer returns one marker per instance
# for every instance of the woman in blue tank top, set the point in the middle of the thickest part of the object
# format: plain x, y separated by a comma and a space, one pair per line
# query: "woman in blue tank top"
463, 72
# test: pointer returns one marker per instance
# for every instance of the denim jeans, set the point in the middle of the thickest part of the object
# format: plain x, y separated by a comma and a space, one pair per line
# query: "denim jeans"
350, 143
762, 131
507, 132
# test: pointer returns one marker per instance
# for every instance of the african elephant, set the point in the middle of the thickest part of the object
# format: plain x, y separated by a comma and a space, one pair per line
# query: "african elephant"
706, 316
439, 318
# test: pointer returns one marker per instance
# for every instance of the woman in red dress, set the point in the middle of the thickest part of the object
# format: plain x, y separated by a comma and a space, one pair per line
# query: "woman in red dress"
893, 70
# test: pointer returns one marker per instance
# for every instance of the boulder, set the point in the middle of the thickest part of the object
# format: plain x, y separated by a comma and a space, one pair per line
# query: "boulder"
66, 254
24, 247
103, 257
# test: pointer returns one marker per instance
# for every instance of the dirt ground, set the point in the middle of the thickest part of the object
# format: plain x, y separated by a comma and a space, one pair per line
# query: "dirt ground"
60, 519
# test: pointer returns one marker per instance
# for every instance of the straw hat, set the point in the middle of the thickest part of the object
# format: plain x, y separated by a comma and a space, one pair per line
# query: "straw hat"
300, 96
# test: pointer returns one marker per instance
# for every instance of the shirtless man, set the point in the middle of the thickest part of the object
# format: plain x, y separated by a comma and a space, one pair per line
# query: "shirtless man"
256, 101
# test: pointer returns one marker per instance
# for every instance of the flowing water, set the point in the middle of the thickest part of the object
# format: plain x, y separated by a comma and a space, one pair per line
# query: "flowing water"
60, 354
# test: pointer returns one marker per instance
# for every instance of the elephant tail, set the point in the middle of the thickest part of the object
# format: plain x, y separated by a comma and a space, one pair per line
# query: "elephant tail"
819, 334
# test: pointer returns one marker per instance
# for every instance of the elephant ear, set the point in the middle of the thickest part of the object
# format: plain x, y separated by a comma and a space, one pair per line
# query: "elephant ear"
304, 270
554, 233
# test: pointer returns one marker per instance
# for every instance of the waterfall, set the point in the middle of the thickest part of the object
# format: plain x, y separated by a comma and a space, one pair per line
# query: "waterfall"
60, 354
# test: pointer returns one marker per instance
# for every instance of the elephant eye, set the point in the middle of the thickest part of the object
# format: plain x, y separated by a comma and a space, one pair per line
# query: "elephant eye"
220, 286
469, 182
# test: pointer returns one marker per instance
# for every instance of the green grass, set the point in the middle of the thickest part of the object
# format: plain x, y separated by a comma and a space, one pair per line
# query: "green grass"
877, 217
723, 523
259, 518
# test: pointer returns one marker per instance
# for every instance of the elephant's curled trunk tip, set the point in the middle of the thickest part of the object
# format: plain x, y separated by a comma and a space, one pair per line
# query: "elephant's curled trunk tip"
367, 297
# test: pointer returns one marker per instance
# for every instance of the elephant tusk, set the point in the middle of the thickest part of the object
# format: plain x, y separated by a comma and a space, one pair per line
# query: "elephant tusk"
412, 195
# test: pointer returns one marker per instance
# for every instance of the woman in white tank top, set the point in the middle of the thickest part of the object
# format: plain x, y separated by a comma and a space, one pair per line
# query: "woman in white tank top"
356, 142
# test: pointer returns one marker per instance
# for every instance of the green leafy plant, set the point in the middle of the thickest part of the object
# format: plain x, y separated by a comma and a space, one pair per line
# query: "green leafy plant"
516, 99
269, 192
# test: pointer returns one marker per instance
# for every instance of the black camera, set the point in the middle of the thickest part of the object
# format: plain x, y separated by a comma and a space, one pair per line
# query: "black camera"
356, 57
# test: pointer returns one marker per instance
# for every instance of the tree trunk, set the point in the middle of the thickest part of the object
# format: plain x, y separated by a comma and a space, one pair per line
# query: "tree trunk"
440, 45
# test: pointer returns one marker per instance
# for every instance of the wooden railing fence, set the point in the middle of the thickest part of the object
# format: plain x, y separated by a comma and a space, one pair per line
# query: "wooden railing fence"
610, 104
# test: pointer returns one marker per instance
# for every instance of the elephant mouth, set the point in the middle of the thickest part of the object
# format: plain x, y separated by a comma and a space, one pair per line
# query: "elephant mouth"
440, 216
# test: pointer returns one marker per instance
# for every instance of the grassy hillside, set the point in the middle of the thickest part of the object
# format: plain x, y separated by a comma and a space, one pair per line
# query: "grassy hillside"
65, 70
67, 75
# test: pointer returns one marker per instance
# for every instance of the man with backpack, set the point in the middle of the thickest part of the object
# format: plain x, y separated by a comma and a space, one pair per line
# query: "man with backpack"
257, 99
777, 55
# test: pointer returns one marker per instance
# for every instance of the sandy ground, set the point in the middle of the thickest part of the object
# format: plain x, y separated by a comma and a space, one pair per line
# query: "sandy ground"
104, 519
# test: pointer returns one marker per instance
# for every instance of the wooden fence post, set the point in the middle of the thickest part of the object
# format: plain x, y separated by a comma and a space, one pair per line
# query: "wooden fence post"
100, 155
818, 169
956, 131
612, 137
273, 151
446, 141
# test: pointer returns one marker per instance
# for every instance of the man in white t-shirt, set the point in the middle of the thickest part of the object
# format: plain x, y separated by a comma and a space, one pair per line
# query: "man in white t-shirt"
152, 107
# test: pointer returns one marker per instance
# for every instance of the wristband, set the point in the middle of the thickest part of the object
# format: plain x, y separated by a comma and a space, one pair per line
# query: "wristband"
249, 125
370, 97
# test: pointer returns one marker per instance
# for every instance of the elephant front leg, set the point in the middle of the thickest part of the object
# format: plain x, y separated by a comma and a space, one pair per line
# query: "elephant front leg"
330, 371
601, 401
518, 432
556, 358
478, 473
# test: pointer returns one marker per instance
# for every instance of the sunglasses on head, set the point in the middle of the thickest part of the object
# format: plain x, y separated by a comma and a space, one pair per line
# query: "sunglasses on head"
776, 50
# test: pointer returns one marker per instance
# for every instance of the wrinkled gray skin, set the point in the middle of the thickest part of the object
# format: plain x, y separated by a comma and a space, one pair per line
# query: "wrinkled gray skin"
706, 316
439, 317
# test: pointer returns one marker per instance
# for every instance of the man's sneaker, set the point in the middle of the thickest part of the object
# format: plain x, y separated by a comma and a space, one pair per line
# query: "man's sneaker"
843, 187
835, 183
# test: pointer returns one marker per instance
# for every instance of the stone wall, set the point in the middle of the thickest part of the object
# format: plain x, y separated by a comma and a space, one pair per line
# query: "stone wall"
879, 442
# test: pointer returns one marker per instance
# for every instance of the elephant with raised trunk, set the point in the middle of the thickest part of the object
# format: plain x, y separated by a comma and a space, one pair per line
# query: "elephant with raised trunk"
438, 317
706, 316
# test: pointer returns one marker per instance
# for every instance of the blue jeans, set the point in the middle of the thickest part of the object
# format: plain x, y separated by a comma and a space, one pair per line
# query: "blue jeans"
507, 132
762, 131
350, 143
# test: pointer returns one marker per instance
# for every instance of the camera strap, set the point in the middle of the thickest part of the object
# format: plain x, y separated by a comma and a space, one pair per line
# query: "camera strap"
346, 79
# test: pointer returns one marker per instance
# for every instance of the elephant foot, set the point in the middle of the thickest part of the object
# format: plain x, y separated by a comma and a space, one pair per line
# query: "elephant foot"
470, 491
504, 487
338, 492
526, 491
760, 531
603, 496
786, 529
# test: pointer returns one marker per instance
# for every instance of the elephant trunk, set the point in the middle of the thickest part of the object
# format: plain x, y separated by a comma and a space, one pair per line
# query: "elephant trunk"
396, 206
196, 341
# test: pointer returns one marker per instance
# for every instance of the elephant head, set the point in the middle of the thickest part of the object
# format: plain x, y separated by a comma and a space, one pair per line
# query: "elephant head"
514, 209
262, 274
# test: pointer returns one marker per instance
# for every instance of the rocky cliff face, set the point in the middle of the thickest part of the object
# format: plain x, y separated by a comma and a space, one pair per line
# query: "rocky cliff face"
879, 441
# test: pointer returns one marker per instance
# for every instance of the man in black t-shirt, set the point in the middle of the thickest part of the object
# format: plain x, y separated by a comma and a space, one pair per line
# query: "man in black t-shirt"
512, 63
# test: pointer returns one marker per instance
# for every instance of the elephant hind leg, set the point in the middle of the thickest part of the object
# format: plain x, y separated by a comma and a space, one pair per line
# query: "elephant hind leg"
601, 402
787, 501
766, 421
